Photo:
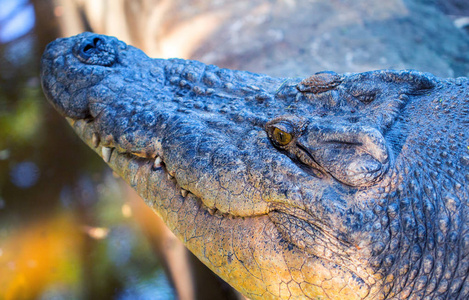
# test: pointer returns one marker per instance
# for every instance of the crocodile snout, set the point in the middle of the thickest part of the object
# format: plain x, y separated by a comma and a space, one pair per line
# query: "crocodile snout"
69, 67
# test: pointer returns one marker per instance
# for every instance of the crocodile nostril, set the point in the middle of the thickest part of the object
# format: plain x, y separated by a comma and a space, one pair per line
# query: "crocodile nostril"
87, 48
92, 45
95, 50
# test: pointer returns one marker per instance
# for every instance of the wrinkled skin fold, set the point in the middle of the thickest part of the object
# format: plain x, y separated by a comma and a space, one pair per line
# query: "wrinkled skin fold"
340, 186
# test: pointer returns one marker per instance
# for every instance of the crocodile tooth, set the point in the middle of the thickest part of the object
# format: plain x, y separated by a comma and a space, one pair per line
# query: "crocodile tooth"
106, 151
212, 211
184, 193
170, 177
157, 163
95, 140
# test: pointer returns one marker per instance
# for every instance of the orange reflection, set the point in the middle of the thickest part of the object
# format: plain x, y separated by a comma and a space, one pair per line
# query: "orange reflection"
42, 255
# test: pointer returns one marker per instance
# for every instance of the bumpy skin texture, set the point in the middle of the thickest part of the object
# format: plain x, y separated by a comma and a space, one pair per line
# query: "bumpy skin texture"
335, 186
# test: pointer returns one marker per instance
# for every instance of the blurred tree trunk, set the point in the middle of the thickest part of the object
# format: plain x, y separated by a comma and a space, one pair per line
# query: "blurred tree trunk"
46, 22
136, 22
161, 28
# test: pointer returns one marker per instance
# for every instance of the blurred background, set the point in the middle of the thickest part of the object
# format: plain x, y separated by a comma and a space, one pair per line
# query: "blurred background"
68, 228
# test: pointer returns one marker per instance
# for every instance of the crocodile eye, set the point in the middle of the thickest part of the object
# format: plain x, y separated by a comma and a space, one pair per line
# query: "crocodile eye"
283, 130
281, 137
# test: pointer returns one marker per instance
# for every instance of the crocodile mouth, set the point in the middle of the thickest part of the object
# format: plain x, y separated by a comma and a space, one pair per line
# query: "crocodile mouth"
114, 157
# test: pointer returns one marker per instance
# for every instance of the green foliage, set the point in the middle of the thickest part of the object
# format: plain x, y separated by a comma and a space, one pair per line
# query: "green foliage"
22, 123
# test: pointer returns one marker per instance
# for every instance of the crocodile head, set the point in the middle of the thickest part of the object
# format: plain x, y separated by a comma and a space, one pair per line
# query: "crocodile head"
316, 187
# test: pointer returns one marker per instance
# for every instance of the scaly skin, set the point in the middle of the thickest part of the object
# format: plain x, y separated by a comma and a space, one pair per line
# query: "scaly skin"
350, 186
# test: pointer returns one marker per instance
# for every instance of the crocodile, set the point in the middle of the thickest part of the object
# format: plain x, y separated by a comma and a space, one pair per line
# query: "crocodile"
334, 186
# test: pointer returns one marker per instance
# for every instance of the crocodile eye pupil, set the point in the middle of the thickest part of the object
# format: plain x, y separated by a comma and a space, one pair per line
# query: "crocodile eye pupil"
281, 137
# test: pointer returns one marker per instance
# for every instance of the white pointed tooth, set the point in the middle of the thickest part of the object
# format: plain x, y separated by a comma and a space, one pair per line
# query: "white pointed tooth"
157, 162
212, 211
169, 176
106, 151
184, 193
95, 140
